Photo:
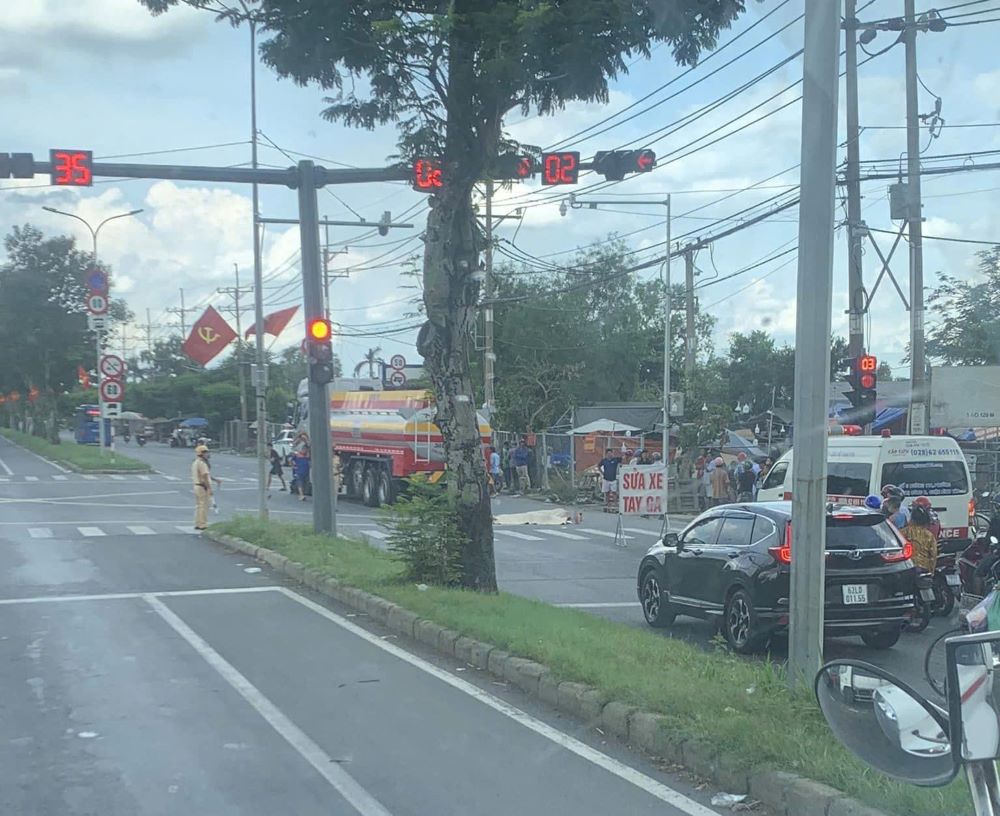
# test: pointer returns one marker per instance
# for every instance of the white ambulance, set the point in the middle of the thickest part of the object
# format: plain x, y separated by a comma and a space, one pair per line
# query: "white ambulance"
859, 466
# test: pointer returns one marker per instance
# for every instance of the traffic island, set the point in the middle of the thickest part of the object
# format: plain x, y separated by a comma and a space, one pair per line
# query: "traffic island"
78, 458
725, 719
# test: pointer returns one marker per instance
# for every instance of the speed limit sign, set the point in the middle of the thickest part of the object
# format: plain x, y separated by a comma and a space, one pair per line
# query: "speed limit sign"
112, 391
398, 362
97, 303
112, 366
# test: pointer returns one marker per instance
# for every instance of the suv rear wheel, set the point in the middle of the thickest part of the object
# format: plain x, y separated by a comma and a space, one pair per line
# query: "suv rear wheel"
740, 625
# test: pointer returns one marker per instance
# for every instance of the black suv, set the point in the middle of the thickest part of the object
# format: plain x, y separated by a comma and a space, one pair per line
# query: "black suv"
732, 564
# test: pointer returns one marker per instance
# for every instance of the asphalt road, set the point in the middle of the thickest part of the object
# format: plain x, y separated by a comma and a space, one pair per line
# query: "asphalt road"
144, 670
577, 565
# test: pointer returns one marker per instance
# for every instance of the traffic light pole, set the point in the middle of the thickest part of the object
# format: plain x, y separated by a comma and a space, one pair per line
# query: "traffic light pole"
855, 282
321, 471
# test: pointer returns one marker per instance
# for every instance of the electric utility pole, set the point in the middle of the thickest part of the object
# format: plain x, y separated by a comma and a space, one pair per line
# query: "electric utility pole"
182, 313
820, 78
690, 344
327, 272
918, 392
234, 292
489, 354
855, 229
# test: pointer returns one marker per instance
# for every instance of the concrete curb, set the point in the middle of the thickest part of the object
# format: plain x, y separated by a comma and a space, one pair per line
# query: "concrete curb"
784, 794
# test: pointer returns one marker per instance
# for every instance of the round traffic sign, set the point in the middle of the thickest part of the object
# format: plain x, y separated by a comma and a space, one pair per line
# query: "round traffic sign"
97, 280
112, 390
397, 378
398, 362
97, 304
112, 366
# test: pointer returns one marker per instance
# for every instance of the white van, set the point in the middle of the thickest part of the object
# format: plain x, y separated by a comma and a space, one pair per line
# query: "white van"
858, 466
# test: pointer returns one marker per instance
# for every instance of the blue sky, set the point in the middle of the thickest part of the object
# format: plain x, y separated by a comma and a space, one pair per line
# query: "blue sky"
105, 75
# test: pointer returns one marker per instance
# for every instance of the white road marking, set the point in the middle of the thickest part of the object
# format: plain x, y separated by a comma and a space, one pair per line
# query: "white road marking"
114, 596
610, 605
60, 468
186, 529
375, 534
341, 781
561, 534
4, 478
143, 477
581, 749
91, 532
6, 469
139, 529
170, 478
249, 478
116, 477
60, 478
641, 531
39, 532
604, 533
31, 478
89, 477
513, 534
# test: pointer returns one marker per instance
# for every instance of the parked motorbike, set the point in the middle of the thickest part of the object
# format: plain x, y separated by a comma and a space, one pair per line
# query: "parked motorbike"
979, 568
924, 600
946, 584
900, 733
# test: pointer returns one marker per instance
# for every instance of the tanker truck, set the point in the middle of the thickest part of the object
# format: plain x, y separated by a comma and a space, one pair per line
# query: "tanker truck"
382, 437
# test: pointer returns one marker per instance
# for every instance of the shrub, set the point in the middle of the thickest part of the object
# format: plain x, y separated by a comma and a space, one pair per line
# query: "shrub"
424, 535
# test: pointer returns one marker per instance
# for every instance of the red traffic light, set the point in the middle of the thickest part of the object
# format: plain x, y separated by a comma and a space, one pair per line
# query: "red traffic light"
867, 380
427, 175
525, 167
318, 330
645, 160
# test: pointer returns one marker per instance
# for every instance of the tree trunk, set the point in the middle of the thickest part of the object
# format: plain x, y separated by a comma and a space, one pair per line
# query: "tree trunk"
451, 256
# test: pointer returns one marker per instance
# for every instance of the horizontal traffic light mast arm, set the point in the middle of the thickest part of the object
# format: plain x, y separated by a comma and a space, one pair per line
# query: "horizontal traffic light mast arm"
241, 175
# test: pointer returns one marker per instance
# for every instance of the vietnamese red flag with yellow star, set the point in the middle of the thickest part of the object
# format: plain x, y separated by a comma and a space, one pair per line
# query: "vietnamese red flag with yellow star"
209, 335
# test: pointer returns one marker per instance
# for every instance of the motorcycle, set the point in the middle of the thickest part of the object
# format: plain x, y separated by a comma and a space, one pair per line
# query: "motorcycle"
947, 584
141, 440
979, 568
900, 733
924, 600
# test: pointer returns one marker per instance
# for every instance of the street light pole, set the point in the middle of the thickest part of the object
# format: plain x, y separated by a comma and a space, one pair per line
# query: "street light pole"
99, 334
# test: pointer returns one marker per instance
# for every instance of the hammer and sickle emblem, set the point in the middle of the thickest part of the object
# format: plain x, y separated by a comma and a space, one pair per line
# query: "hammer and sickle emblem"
208, 334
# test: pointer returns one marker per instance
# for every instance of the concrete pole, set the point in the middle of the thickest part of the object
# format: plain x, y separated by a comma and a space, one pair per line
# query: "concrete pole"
240, 375
855, 283
324, 520
489, 355
666, 370
689, 324
260, 386
918, 388
812, 336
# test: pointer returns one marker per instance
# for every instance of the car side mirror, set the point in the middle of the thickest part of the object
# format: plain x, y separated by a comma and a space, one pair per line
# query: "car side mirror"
973, 707
672, 540
885, 723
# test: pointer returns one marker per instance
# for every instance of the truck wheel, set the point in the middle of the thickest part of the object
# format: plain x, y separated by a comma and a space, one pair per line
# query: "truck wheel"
369, 490
355, 479
386, 494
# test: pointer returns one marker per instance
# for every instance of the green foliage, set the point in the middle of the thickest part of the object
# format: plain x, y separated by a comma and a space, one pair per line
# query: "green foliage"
965, 329
424, 534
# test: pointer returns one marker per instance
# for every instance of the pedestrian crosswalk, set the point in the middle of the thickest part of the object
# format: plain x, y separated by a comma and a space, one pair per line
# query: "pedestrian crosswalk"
102, 530
105, 477
538, 533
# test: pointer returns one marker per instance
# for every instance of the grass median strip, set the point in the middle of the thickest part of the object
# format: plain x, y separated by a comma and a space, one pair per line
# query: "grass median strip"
85, 458
742, 707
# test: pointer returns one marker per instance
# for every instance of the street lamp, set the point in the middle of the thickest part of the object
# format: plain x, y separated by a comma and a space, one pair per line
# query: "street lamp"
94, 231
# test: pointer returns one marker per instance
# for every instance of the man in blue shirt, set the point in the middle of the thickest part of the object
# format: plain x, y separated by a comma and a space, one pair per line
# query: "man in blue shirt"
520, 458
608, 467
300, 470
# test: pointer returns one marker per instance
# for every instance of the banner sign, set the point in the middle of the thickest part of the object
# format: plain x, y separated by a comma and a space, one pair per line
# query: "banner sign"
640, 490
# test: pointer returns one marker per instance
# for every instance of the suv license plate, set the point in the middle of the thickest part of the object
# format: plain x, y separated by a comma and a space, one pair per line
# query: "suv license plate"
855, 593
953, 579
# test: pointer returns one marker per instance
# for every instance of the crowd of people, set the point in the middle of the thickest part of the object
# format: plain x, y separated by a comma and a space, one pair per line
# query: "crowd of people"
608, 468
721, 483
511, 468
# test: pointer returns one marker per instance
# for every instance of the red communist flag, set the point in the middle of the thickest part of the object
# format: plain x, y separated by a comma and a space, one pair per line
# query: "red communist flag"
82, 377
275, 322
210, 335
